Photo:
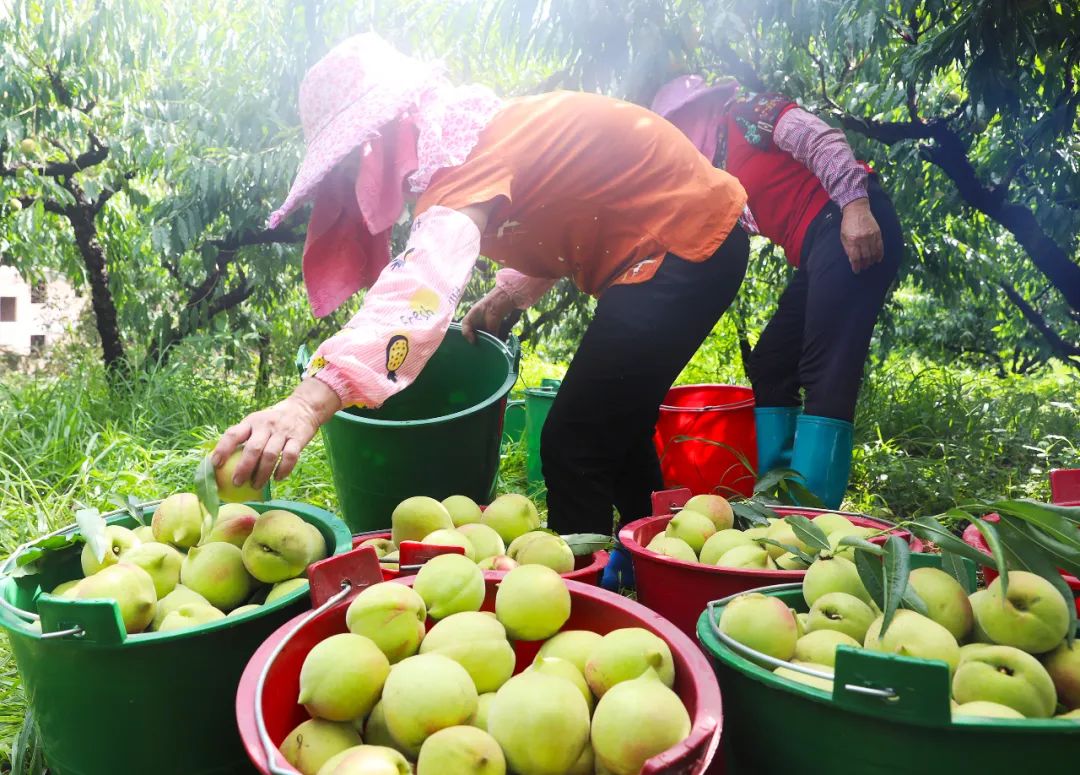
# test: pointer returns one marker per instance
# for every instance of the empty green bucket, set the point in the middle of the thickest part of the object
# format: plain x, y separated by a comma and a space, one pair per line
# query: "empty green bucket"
438, 437
538, 403
107, 703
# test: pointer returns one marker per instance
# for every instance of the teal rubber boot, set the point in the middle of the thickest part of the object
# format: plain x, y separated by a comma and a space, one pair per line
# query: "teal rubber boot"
823, 456
775, 430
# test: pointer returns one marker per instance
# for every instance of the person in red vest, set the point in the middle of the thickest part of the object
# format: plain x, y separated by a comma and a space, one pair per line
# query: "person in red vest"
808, 194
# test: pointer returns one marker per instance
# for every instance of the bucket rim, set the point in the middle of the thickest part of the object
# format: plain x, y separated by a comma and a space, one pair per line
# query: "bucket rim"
746, 403
598, 559
973, 538
716, 649
342, 542
499, 394
627, 538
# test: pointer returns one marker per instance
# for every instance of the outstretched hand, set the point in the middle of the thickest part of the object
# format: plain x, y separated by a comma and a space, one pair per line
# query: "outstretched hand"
861, 236
273, 437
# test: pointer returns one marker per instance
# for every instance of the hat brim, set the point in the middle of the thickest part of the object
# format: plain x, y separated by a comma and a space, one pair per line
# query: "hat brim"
347, 131
686, 90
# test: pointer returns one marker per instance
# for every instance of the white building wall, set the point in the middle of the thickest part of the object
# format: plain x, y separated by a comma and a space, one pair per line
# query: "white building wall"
51, 319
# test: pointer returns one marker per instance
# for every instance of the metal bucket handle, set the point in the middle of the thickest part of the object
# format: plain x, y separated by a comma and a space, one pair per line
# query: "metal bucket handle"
332, 581
887, 686
757, 656
32, 618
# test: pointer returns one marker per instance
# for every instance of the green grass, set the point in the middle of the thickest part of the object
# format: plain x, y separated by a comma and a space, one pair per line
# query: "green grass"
928, 437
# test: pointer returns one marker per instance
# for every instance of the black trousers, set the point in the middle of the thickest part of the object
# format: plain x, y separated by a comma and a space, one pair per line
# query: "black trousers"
596, 446
819, 337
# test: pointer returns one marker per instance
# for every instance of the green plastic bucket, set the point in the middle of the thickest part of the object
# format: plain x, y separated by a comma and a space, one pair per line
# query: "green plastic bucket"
887, 714
108, 703
439, 437
538, 403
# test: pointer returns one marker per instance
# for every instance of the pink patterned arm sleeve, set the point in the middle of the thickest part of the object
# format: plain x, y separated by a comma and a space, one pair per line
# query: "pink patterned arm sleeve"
522, 289
405, 314
824, 151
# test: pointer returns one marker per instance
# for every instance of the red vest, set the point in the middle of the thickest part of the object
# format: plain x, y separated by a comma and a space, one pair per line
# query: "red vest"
783, 195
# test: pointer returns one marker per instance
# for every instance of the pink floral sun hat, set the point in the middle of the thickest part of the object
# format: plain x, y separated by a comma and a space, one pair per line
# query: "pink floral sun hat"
696, 107
360, 86
375, 122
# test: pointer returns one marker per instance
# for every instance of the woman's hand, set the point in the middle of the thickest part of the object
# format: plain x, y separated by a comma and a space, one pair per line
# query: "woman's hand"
278, 432
860, 235
487, 314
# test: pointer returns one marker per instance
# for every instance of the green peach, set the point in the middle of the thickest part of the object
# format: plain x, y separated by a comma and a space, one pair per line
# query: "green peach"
624, 654
1007, 676
913, 635
532, 602
763, 623
843, 613
715, 507
424, 694
451, 537
417, 517
463, 510
669, 546
693, 528
392, 616
574, 646
485, 541
314, 742
819, 646
720, 542
450, 584
341, 677
946, 601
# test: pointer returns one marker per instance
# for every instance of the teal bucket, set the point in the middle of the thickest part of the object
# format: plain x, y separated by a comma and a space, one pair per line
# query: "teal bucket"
440, 436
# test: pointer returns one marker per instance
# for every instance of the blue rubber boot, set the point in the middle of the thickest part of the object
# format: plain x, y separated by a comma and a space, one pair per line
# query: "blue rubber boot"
823, 456
775, 430
619, 572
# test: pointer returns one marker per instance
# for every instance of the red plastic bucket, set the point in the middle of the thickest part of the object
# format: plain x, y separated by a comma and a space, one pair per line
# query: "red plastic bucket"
972, 537
591, 608
680, 590
705, 439
1065, 486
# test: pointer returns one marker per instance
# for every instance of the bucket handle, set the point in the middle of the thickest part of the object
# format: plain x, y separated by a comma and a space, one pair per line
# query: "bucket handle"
28, 617
270, 751
758, 656
350, 572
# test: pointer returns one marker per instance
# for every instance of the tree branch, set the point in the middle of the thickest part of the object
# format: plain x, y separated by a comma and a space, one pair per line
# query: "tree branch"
1063, 349
948, 152
108, 193
743, 71
285, 234
97, 153
49, 205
